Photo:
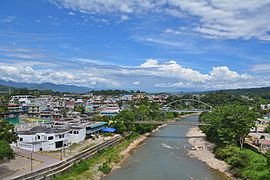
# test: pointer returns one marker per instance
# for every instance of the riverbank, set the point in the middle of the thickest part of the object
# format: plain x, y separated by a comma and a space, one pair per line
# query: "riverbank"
203, 150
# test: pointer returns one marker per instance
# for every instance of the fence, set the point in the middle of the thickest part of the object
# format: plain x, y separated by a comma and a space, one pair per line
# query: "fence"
58, 168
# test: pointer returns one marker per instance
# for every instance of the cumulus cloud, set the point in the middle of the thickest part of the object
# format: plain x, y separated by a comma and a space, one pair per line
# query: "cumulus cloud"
232, 19
136, 82
150, 63
148, 76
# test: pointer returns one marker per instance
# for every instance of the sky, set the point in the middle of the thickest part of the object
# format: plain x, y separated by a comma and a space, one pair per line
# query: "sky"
150, 45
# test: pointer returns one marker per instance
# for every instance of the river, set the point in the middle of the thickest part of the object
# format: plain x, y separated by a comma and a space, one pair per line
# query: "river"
164, 156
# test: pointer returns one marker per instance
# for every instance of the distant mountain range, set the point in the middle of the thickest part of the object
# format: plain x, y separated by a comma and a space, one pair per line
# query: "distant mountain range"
46, 86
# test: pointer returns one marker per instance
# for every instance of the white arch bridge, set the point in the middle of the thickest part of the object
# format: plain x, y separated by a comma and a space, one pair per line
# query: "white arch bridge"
208, 108
167, 108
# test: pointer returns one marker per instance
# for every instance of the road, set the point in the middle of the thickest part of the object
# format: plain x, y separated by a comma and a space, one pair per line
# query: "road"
21, 164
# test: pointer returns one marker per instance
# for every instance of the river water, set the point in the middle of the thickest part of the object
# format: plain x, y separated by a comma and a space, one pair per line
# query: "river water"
163, 156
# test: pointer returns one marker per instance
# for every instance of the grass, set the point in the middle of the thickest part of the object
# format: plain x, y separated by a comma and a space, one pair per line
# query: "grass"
102, 162
88, 146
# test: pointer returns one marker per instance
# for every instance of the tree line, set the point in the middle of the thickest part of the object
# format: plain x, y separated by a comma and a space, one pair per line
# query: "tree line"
228, 127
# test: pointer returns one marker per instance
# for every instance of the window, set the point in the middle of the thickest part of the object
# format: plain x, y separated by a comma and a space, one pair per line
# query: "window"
50, 138
21, 139
61, 136
38, 136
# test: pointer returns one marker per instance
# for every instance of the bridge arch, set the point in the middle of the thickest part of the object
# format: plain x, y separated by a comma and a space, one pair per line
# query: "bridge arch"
193, 100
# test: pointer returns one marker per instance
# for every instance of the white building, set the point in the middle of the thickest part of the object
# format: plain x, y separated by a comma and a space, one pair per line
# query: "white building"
76, 134
265, 106
109, 110
21, 99
42, 138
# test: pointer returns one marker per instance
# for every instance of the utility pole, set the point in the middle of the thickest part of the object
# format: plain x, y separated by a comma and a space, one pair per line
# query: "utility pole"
61, 154
31, 155
70, 148
64, 151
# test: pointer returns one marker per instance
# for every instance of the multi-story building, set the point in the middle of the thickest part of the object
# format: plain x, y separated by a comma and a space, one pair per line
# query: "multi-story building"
21, 99
42, 138
45, 114
109, 110
35, 109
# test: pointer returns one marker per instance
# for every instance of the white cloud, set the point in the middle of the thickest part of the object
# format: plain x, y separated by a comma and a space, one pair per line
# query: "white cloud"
24, 53
149, 75
7, 19
71, 13
261, 68
229, 19
161, 41
136, 82
150, 63
124, 17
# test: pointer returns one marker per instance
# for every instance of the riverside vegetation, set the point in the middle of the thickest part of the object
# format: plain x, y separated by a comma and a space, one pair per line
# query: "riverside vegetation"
101, 163
227, 129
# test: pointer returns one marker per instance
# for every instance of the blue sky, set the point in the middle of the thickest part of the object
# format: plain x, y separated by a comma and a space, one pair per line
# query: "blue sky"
166, 45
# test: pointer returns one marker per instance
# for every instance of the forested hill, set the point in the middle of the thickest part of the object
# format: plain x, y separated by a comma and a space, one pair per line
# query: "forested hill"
111, 92
251, 96
5, 89
263, 92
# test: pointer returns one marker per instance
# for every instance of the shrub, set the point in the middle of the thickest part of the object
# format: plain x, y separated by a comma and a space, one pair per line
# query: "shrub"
226, 152
81, 167
105, 168
248, 164
239, 160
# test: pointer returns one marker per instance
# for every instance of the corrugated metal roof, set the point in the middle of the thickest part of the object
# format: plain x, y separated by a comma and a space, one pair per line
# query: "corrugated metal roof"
97, 124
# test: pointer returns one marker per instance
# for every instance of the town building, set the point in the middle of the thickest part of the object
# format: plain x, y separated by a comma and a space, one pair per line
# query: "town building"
43, 138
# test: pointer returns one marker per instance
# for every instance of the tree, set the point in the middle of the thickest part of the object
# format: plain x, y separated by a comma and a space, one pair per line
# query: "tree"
229, 124
127, 117
64, 112
5, 151
79, 108
7, 132
3, 109
267, 129
7, 136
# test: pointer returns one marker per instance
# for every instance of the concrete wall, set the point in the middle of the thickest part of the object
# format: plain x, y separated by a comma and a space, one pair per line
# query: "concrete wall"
77, 138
